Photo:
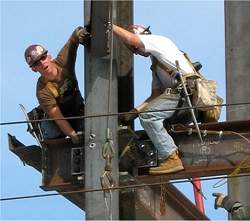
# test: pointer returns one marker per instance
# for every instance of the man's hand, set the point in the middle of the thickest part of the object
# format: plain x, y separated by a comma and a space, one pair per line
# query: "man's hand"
82, 35
126, 119
223, 201
74, 137
218, 201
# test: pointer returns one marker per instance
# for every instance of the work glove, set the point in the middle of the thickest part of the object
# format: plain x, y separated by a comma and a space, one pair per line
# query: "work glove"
82, 35
126, 119
74, 137
223, 201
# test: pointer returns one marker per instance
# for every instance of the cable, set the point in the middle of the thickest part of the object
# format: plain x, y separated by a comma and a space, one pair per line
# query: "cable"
108, 148
123, 113
118, 187
111, 49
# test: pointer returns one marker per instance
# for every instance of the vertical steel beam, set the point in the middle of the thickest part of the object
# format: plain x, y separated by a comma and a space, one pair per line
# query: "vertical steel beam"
125, 62
237, 31
124, 16
97, 74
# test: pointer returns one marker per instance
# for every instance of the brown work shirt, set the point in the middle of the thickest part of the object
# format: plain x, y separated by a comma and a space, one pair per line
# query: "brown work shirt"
65, 92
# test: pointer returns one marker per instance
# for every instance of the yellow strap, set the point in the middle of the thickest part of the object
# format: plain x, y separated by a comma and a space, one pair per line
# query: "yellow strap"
196, 73
52, 88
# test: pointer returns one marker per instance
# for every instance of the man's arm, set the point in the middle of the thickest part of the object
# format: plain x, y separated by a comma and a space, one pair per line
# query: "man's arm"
241, 213
67, 55
126, 119
64, 125
155, 93
128, 37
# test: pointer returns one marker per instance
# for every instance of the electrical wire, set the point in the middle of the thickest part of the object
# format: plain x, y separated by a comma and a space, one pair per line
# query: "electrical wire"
133, 186
123, 113
120, 187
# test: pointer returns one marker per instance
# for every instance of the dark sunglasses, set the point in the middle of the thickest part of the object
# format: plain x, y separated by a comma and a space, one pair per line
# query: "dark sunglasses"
38, 61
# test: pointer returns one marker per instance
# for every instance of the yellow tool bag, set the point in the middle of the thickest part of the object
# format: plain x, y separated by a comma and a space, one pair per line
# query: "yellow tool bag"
203, 94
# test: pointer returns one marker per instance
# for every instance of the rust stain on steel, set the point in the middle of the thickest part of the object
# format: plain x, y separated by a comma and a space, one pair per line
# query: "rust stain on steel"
177, 205
57, 159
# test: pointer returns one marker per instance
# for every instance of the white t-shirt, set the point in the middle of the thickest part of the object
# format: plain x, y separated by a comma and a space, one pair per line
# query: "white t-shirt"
167, 53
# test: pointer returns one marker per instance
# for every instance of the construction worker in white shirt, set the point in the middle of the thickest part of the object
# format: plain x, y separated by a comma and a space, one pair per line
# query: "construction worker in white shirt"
164, 93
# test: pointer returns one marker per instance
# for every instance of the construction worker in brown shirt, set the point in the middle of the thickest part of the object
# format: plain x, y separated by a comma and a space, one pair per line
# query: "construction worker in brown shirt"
57, 88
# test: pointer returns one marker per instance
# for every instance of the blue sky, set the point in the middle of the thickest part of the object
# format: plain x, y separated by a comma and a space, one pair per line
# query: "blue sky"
197, 27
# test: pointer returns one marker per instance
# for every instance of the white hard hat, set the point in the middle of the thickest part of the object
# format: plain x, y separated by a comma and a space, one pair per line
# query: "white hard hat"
140, 29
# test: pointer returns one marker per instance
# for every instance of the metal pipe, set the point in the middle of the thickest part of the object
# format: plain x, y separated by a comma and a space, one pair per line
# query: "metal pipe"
199, 203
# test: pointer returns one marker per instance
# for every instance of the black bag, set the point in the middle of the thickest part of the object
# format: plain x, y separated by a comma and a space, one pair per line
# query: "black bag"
35, 114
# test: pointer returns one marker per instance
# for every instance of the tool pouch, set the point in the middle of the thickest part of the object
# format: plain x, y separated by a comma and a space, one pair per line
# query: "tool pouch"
205, 95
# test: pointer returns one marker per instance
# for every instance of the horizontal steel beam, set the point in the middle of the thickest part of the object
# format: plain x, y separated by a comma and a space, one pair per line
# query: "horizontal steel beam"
30, 155
221, 153
225, 147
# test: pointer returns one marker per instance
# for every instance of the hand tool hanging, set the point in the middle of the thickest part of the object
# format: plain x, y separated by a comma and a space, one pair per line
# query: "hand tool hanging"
196, 181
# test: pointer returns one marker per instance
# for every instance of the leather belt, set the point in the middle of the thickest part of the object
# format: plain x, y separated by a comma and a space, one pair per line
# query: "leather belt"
172, 91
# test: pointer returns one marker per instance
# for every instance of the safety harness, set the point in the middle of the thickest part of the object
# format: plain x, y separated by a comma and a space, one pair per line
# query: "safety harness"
183, 116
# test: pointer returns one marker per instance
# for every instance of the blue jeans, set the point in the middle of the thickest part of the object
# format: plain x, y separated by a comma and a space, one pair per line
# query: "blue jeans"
153, 123
50, 129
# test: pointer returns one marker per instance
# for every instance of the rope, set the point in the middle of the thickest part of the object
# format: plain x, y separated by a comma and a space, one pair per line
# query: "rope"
123, 113
117, 188
242, 165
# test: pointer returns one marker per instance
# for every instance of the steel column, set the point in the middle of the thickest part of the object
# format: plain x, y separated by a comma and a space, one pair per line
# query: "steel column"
97, 86
237, 20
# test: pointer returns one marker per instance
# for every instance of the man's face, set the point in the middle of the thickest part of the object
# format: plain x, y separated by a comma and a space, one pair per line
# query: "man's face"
44, 65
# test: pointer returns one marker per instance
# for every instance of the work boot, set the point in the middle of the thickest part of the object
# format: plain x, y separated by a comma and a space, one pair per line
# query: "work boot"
171, 164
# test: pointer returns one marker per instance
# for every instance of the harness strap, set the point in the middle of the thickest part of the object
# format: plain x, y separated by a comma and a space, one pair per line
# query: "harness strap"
196, 73
52, 88
156, 62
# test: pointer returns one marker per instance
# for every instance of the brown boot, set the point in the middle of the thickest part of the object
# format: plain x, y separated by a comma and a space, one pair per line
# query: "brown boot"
171, 164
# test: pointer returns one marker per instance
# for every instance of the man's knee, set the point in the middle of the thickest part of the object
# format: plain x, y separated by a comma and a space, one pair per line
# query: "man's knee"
146, 116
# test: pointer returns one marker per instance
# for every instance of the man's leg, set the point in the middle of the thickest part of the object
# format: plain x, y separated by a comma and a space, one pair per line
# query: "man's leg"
50, 130
153, 124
